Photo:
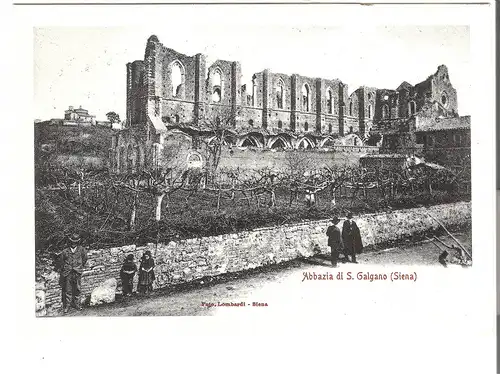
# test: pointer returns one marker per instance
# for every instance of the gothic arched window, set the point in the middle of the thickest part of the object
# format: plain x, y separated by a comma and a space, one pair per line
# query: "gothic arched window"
279, 94
254, 91
412, 108
385, 111
216, 86
177, 79
305, 98
329, 101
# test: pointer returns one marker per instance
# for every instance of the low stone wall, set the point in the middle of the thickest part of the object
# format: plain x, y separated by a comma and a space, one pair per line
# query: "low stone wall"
253, 158
187, 260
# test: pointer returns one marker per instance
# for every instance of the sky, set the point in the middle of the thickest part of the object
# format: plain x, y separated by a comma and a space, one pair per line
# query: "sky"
87, 66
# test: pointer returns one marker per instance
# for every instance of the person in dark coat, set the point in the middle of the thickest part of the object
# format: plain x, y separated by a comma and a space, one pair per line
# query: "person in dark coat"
146, 273
351, 238
71, 263
127, 272
334, 240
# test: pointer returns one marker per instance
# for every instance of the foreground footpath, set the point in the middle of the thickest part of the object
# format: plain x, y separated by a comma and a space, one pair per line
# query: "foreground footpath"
301, 282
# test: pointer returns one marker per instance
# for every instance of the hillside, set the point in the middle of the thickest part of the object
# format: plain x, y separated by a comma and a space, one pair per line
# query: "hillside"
72, 145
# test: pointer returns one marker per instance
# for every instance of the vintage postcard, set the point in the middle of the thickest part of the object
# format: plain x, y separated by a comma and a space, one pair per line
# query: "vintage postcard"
266, 163
196, 175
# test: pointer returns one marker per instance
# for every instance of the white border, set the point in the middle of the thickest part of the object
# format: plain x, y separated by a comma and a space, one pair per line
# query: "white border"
449, 326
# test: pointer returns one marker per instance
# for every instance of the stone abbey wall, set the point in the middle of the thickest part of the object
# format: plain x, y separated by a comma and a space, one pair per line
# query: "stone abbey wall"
250, 152
187, 260
169, 90
253, 159
290, 102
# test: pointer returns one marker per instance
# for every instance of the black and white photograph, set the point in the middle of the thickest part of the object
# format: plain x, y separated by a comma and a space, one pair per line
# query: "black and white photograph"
187, 183
293, 170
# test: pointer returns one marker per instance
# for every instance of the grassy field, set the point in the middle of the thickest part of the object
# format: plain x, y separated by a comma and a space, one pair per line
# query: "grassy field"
102, 215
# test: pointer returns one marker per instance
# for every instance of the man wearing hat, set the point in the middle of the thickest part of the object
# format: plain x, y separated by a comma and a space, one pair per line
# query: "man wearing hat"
351, 238
334, 240
72, 260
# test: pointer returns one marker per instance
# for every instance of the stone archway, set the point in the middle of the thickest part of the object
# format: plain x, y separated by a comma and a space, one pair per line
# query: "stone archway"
131, 159
194, 161
353, 140
304, 143
277, 142
329, 141
251, 140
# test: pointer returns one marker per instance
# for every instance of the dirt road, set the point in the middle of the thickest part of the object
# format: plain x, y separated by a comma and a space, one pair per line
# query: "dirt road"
281, 289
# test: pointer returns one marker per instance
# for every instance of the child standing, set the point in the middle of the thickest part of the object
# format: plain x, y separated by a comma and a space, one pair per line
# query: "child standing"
146, 273
127, 275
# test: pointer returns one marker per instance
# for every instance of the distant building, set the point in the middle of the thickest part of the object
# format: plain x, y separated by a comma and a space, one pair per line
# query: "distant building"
444, 140
78, 117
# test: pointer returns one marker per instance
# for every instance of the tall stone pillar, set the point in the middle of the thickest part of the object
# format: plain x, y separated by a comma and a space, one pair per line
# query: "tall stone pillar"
293, 102
151, 79
343, 89
320, 118
128, 113
265, 99
361, 111
235, 90
199, 88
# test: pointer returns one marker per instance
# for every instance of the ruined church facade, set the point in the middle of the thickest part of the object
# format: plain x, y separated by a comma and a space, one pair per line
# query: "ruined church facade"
171, 92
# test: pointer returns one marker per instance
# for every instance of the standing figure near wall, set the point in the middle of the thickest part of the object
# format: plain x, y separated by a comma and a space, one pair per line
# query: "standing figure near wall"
71, 262
334, 240
127, 273
146, 274
351, 237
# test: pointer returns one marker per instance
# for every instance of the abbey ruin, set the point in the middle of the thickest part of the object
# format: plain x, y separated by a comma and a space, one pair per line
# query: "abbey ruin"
171, 95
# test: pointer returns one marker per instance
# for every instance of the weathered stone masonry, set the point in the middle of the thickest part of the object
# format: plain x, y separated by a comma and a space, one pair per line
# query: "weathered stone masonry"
187, 260
169, 90
168, 87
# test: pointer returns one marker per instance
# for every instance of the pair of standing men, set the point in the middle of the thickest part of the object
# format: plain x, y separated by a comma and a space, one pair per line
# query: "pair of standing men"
348, 242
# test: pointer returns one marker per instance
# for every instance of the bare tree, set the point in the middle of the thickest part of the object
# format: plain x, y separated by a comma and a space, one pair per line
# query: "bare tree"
132, 182
336, 177
297, 163
218, 128
167, 174
269, 181
297, 167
